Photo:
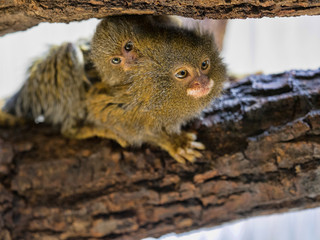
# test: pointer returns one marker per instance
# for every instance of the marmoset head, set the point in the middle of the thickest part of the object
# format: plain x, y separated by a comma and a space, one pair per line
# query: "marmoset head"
178, 71
115, 45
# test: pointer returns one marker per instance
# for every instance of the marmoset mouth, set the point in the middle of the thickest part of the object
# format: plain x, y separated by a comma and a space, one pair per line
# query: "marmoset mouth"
200, 91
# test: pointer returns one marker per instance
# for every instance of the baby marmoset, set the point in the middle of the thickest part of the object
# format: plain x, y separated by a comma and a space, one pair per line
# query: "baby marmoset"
155, 76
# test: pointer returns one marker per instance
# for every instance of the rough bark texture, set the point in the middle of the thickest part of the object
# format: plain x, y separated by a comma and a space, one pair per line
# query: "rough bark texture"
263, 156
18, 15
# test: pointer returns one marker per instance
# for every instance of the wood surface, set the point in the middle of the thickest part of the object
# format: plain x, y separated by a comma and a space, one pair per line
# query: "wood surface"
16, 15
262, 156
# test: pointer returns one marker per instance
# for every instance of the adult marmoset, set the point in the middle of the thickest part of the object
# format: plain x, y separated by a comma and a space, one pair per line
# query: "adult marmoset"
172, 74
155, 76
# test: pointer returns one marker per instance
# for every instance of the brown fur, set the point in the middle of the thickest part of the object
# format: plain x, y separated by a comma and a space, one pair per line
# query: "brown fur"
139, 99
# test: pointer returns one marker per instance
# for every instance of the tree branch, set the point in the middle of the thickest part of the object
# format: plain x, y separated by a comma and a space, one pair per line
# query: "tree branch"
262, 156
20, 15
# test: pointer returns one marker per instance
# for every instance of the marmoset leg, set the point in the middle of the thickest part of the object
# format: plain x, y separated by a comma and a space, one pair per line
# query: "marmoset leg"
92, 131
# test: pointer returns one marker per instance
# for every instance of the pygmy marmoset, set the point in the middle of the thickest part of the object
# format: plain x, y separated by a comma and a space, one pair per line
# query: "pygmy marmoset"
155, 76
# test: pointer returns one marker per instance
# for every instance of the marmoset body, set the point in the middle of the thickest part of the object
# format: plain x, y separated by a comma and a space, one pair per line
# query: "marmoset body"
155, 76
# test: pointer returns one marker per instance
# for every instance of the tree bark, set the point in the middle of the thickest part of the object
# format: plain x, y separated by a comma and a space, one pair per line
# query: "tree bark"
18, 15
262, 155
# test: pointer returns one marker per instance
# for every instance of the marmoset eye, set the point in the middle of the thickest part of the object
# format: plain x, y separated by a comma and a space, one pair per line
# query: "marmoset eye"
182, 74
129, 46
116, 60
205, 64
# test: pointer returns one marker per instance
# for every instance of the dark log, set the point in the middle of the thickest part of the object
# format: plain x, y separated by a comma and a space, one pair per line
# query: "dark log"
263, 156
18, 15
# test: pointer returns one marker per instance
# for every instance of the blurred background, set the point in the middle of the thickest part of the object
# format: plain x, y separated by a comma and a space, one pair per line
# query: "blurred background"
250, 46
